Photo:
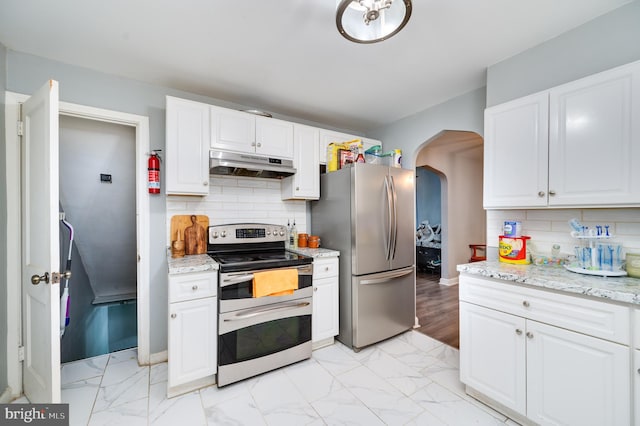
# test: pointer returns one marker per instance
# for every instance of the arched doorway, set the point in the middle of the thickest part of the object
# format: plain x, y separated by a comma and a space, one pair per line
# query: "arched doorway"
456, 159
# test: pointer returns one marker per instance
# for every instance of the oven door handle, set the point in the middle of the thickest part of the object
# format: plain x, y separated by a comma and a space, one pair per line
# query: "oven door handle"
266, 310
236, 279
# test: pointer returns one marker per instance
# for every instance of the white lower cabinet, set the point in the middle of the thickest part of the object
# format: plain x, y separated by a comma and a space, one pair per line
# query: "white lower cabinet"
192, 339
546, 374
325, 301
573, 379
636, 385
492, 355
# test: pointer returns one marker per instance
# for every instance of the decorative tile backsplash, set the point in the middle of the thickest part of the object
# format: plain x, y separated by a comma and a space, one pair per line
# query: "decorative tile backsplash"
551, 226
240, 199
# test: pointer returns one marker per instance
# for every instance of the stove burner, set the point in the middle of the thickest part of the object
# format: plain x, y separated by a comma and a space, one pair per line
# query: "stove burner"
245, 247
244, 261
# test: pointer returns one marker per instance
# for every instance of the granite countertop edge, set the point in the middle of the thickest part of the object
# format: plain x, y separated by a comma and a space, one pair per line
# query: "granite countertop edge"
191, 263
315, 252
619, 289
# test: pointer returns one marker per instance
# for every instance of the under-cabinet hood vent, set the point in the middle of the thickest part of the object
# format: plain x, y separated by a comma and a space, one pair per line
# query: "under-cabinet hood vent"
236, 164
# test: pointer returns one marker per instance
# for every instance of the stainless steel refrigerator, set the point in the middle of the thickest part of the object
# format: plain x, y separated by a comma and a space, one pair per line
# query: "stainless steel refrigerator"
367, 212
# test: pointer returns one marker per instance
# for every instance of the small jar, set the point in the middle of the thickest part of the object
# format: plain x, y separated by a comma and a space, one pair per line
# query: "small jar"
314, 241
633, 265
303, 240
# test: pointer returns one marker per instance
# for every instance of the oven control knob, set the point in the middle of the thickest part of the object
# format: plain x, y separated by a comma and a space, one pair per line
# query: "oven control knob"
269, 232
215, 234
281, 233
223, 234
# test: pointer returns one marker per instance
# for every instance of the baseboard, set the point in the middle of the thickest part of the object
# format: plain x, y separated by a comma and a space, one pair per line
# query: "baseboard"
448, 281
6, 396
158, 357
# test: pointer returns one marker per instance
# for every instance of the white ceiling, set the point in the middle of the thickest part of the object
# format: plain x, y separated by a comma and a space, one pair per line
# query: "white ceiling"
286, 56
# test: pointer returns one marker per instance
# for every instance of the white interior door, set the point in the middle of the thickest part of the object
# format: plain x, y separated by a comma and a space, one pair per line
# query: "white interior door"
40, 246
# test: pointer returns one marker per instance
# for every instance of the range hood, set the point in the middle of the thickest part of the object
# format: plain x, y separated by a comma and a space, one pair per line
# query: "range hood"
250, 165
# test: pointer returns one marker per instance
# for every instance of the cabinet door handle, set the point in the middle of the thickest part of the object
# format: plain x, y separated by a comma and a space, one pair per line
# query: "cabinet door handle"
205, 183
541, 194
552, 193
195, 287
326, 268
173, 315
253, 144
529, 335
259, 144
525, 304
518, 331
315, 289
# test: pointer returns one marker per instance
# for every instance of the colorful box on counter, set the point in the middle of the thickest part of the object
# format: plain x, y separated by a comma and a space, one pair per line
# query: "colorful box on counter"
333, 152
513, 250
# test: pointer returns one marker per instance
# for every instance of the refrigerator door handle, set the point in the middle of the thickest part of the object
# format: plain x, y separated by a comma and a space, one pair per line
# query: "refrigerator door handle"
388, 276
388, 242
394, 232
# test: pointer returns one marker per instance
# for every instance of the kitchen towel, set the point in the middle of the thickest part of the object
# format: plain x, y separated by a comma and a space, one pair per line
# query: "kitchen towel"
279, 282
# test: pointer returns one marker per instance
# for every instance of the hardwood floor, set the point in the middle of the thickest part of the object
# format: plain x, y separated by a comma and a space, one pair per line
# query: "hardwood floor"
437, 309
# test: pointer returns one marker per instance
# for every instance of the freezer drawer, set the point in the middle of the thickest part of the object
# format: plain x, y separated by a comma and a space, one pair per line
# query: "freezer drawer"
383, 305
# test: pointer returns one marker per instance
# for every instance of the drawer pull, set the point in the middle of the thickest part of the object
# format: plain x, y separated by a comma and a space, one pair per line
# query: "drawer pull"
195, 287
315, 289
173, 315
518, 331
525, 304
529, 335
326, 268
541, 194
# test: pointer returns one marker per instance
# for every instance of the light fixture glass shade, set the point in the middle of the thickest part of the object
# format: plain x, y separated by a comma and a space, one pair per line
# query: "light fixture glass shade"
370, 21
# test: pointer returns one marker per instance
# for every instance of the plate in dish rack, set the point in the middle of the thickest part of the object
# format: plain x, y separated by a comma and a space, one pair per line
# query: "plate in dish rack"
596, 272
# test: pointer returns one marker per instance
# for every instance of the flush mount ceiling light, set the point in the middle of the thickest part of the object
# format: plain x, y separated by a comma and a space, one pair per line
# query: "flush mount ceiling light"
370, 21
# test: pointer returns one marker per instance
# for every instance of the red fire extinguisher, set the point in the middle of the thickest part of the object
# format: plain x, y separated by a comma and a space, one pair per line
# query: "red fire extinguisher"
154, 172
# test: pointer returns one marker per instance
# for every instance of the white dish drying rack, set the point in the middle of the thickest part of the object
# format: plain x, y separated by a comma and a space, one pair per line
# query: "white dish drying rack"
592, 252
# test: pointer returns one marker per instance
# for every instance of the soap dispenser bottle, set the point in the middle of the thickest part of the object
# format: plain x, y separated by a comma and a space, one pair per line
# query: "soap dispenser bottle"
293, 236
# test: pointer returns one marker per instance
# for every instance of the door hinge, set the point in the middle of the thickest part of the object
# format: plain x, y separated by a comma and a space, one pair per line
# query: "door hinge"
20, 128
55, 278
20, 353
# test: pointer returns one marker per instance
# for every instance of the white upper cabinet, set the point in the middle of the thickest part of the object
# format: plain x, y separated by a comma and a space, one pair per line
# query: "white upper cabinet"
187, 147
594, 140
576, 145
232, 130
305, 184
243, 132
516, 152
274, 138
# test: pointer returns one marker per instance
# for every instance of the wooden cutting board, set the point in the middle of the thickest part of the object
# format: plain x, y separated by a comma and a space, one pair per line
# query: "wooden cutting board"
194, 237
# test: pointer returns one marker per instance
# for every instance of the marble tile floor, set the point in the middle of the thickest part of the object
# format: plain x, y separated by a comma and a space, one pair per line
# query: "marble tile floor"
410, 379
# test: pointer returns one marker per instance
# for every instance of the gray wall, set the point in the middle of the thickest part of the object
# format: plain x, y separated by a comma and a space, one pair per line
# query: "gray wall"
103, 214
428, 197
26, 73
465, 112
605, 42
3, 222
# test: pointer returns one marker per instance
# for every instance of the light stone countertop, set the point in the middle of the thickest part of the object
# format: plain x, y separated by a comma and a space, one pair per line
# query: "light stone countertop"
620, 289
315, 252
191, 263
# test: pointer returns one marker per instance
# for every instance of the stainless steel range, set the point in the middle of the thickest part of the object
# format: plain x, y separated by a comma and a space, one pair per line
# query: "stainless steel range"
259, 334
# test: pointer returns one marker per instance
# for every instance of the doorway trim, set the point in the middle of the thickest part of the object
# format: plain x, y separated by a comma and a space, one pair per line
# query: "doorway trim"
14, 294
